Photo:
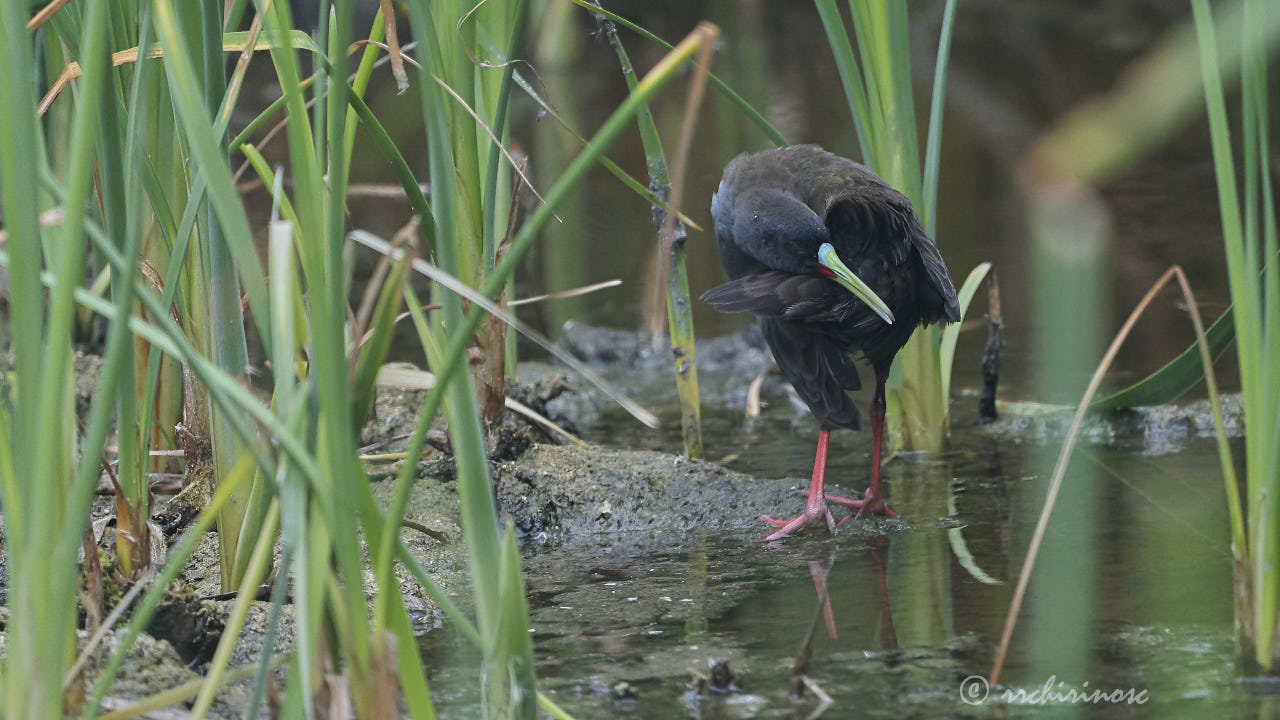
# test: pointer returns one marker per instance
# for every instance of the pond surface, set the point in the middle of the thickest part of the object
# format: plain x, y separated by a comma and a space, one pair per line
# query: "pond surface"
1130, 594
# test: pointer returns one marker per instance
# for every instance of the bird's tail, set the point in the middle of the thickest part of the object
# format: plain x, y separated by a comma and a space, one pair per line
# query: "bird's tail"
819, 370
938, 295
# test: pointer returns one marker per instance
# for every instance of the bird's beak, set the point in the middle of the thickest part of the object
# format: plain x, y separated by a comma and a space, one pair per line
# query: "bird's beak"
843, 275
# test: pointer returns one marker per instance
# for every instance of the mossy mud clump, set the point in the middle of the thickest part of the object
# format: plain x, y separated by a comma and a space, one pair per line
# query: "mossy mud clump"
576, 490
571, 493
1149, 430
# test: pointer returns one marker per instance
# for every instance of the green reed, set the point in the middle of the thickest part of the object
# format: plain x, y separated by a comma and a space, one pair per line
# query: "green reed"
44, 490
1250, 240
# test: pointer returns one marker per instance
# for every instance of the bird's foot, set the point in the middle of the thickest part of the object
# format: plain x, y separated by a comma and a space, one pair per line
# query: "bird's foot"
813, 515
870, 502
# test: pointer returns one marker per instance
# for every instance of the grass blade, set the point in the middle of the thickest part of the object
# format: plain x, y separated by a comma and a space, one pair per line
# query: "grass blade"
672, 238
1177, 376
951, 333
933, 145
747, 108
479, 300
1068, 445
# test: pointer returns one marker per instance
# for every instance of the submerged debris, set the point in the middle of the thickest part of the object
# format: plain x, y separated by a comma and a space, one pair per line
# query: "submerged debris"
719, 679
623, 691
1154, 430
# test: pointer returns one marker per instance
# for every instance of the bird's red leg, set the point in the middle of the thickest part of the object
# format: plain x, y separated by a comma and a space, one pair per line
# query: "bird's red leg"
873, 499
815, 508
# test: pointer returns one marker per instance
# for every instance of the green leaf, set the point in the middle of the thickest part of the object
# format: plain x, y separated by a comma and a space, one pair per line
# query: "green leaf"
210, 159
951, 333
514, 638
933, 146
374, 352
1178, 376
855, 92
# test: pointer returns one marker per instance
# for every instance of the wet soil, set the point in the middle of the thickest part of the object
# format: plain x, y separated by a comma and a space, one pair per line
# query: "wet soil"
572, 491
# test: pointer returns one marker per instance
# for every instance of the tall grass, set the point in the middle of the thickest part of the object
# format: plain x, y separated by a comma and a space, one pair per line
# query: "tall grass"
291, 463
458, 203
473, 204
45, 491
1250, 239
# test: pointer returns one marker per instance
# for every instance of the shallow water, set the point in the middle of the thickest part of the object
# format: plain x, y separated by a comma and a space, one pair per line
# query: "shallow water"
621, 623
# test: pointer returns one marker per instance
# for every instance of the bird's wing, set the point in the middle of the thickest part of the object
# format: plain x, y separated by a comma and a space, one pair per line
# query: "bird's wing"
813, 300
863, 212
817, 368
798, 298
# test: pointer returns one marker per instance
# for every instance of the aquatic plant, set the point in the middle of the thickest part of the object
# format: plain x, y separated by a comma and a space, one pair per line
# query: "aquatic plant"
1250, 239
1083, 149
45, 491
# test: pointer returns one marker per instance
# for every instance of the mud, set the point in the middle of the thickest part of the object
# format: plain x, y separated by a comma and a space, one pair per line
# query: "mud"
190, 624
743, 353
153, 665
630, 360
571, 491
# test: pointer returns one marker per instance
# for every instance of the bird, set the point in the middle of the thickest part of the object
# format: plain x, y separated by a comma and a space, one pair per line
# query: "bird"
834, 263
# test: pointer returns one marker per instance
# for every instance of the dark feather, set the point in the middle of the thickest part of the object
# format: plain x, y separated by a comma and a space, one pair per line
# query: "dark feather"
818, 368
772, 211
800, 298
936, 289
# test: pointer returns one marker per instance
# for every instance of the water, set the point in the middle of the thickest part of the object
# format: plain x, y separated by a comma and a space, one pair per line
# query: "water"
622, 623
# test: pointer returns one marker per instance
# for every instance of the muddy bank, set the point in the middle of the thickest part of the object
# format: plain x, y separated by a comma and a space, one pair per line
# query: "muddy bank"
609, 508
643, 370
569, 494
154, 665
570, 491
583, 490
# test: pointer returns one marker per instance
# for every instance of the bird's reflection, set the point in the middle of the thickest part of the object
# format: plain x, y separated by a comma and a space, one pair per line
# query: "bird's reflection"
880, 556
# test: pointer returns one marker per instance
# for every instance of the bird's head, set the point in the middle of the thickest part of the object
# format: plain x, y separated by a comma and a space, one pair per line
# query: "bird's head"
830, 264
